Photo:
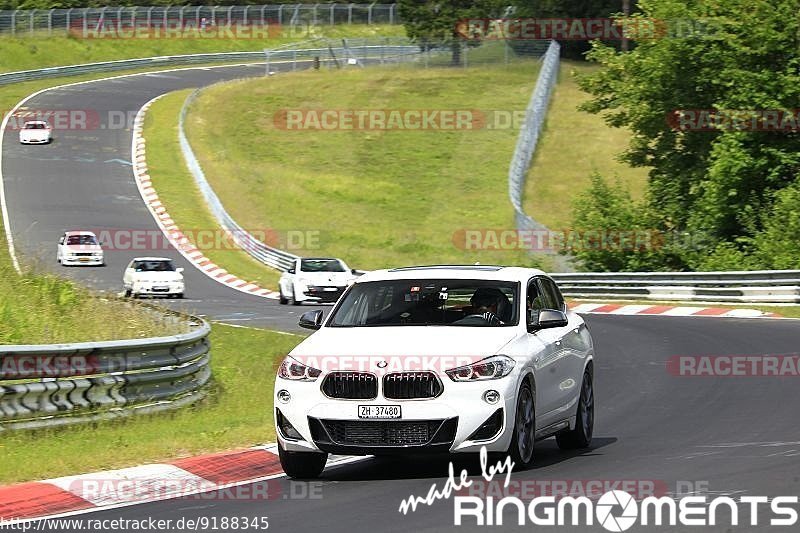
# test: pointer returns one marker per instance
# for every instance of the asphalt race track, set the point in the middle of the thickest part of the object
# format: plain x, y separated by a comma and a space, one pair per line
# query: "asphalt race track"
727, 436
84, 180
724, 436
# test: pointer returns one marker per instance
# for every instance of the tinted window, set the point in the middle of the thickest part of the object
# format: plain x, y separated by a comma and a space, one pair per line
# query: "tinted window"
437, 302
551, 296
81, 239
153, 266
321, 265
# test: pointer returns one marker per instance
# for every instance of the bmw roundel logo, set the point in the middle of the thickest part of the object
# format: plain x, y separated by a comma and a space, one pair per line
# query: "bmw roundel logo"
382, 364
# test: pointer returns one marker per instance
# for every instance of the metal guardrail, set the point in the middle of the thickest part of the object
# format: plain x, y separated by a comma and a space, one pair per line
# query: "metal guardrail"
757, 286
60, 384
385, 51
268, 255
82, 20
529, 136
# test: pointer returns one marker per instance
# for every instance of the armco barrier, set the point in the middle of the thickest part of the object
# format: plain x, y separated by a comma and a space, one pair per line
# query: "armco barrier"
757, 286
52, 385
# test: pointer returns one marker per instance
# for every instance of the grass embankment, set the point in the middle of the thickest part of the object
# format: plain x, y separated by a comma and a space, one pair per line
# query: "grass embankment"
40, 51
177, 190
377, 198
574, 145
238, 413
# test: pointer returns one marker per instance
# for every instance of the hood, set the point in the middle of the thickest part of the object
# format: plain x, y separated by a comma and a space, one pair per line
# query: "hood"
326, 278
157, 276
407, 340
83, 248
34, 133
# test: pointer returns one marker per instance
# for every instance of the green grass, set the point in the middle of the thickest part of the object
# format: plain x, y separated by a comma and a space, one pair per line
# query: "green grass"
237, 414
573, 146
179, 194
377, 198
40, 51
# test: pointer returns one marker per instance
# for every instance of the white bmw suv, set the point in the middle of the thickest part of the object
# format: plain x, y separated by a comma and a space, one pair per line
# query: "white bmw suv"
437, 359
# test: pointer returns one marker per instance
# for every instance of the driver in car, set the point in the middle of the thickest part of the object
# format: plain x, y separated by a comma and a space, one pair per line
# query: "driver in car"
486, 302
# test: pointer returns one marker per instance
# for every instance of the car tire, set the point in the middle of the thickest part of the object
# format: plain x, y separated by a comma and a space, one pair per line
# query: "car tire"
179, 296
128, 293
281, 298
524, 435
581, 436
302, 465
294, 300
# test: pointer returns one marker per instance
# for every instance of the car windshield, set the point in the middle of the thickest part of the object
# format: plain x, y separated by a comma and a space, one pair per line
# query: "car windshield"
35, 126
81, 239
428, 302
153, 266
321, 265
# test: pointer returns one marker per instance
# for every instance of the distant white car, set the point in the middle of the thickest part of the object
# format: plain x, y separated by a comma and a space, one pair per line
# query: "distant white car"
79, 248
315, 279
36, 132
153, 276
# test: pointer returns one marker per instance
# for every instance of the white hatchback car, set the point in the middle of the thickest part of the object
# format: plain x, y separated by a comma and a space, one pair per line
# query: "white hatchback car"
153, 276
444, 358
79, 248
315, 279
35, 132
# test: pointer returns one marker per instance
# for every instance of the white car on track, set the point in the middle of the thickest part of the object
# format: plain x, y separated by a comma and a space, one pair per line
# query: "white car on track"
35, 132
315, 279
79, 248
437, 359
153, 276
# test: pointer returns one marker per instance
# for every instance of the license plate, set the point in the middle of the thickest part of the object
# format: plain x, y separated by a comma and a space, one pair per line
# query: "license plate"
84, 259
161, 289
379, 411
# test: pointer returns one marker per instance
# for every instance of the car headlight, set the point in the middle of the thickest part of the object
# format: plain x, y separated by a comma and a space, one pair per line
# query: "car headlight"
294, 370
494, 367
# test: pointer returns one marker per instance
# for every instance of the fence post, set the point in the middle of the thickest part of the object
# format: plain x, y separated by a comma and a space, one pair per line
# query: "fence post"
230, 11
391, 13
69, 19
244, 17
31, 14
333, 16
50, 22
350, 14
369, 13
314, 18
85, 22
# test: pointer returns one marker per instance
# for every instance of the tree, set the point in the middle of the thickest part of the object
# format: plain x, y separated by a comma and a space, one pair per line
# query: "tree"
728, 56
436, 22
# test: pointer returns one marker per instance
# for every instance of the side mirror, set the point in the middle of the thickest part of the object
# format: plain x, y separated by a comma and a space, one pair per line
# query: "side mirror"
290, 271
311, 319
546, 318
179, 270
354, 271
61, 240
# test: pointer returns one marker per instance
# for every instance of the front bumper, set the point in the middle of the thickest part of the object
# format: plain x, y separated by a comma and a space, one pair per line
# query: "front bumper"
320, 294
159, 289
93, 260
442, 424
34, 141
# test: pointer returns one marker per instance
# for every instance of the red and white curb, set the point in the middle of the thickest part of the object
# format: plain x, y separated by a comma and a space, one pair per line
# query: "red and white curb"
668, 310
191, 477
140, 484
170, 228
